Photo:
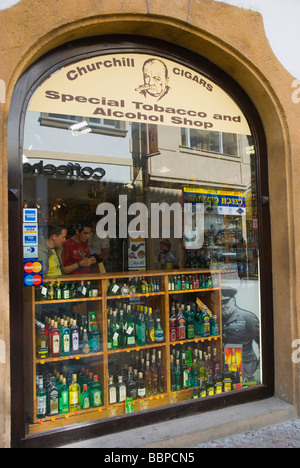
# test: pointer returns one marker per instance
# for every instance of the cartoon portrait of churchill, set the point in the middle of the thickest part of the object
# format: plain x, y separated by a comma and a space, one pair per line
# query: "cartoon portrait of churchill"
156, 79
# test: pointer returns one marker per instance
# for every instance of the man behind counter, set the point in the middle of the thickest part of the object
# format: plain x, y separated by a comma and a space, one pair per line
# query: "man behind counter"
50, 250
76, 255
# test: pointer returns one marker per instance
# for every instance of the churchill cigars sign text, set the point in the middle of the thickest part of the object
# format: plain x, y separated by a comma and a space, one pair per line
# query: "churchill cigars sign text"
140, 88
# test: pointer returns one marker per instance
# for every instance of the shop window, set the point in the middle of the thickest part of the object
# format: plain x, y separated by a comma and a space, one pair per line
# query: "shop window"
141, 254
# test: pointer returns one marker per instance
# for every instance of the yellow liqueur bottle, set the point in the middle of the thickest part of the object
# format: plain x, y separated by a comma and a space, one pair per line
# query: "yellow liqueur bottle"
74, 395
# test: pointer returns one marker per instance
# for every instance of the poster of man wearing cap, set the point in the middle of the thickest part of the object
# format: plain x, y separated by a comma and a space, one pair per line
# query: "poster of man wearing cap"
165, 257
241, 327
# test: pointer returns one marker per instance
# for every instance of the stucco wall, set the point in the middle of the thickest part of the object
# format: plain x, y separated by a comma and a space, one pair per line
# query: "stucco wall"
232, 38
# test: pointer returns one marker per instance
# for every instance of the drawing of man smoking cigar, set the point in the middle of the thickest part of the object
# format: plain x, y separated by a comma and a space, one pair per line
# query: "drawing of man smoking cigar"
156, 79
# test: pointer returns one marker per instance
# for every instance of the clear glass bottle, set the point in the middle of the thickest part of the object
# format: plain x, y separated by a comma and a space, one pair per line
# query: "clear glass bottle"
158, 331
41, 400
121, 390
112, 391
52, 398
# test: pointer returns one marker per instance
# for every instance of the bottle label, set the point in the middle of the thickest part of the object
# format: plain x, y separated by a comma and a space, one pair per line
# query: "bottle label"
53, 403
159, 336
41, 404
141, 392
97, 398
66, 343
74, 398
75, 341
112, 395
55, 344
122, 393
131, 340
85, 402
64, 401
227, 385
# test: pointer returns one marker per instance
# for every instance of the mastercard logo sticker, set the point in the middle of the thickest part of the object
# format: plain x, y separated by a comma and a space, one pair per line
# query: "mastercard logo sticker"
33, 267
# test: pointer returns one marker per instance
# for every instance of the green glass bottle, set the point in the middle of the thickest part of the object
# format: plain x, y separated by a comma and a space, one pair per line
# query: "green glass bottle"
96, 393
64, 397
129, 329
85, 398
66, 291
189, 323
141, 330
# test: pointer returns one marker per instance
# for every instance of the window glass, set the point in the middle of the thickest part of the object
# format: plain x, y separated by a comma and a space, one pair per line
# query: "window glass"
141, 259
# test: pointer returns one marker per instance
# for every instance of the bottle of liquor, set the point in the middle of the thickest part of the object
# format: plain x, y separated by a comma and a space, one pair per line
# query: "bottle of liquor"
125, 290
41, 400
52, 399
210, 386
113, 289
154, 375
74, 394
112, 391
95, 338
64, 397
161, 373
227, 380
217, 379
205, 323
65, 340
190, 331
173, 325
41, 343
96, 393
66, 291
50, 293
180, 326
148, 379
129, 329
202, 389
55, 341
158, 330
178, 383
184, 372
150, 327
85, 398
75, 337
85, 343
121, 389
141, 393
141, 330
131, 386
57, 291
173, 377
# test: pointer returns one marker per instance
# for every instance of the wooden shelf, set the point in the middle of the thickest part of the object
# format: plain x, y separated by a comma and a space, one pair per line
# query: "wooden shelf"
102, 305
